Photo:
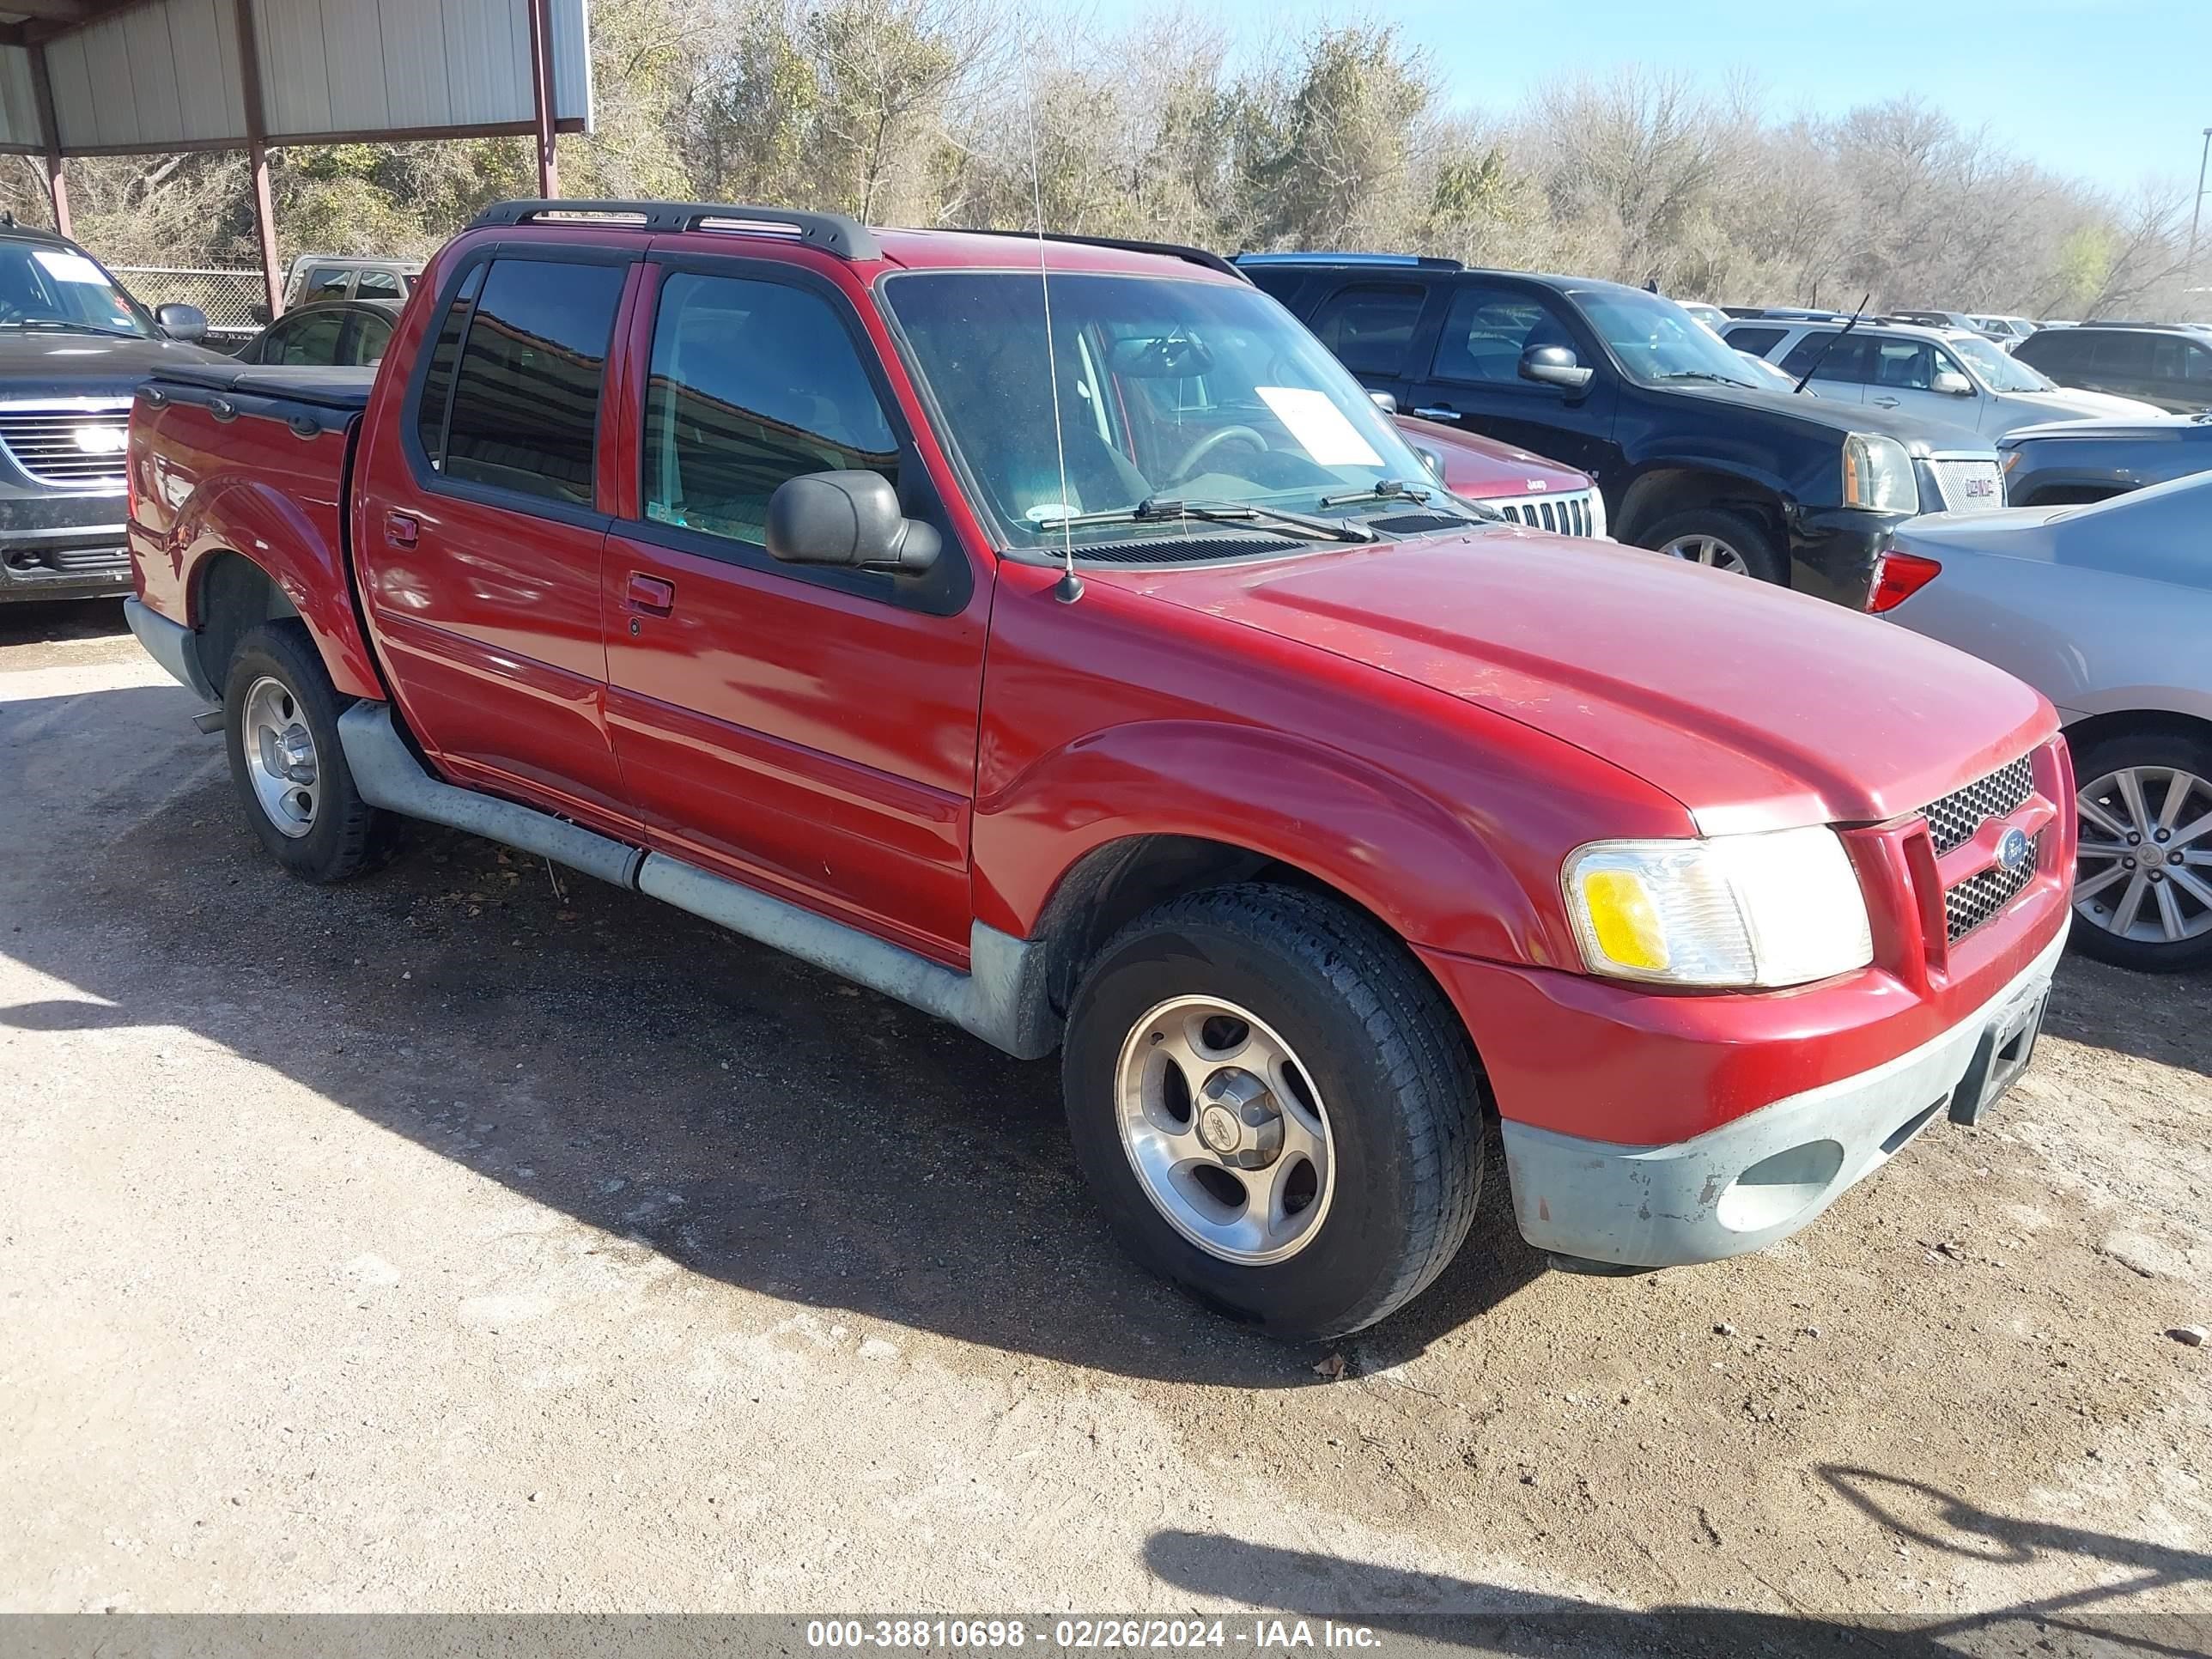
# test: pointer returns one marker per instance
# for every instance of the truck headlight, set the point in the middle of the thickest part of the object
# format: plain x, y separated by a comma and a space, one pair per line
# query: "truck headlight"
1878, 474
1779, 908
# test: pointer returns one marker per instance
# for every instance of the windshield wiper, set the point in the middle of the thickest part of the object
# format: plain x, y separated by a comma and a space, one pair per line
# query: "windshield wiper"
1382, 489
1707, 374
1153, 509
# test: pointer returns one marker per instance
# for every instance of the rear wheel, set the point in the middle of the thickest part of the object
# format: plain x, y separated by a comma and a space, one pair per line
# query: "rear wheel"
1720, 537
1276, 1108
281, 728
2143, 888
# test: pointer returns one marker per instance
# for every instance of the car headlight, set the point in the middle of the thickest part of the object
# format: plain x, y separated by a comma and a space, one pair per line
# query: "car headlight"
1878, 474
1779, 908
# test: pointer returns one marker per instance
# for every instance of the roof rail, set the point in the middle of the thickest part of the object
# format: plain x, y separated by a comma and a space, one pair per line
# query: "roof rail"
1425, 261
1197, 256
837, 232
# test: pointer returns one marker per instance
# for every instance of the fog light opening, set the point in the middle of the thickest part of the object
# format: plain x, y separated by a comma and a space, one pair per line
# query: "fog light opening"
1776, 1189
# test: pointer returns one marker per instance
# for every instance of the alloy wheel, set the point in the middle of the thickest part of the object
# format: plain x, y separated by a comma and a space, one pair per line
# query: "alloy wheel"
2145, 865
280, 756
1707, 550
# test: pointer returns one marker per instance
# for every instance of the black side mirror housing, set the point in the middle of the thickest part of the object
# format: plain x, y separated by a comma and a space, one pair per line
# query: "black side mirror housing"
848, 519
182, 322
1555, 366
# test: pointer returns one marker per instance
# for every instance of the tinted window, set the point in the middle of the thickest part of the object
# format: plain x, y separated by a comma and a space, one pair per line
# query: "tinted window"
2127, 355
1757, 341
1486, 331
2176, 359
752, 383
438, 376
311, 340
1848, 358
2053, 347
1368, 328
526, 393
372, 335
324, 282
377, 285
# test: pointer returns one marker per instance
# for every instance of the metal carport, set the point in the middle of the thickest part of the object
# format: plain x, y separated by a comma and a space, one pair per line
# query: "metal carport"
109, 77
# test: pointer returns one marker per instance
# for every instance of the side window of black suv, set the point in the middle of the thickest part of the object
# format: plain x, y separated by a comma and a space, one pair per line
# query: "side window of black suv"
1370, 326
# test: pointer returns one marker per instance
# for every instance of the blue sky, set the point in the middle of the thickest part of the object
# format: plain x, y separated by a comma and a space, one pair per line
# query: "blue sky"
2113, 91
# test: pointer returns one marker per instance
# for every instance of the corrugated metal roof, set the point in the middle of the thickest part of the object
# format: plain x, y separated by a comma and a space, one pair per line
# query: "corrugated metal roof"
166, 75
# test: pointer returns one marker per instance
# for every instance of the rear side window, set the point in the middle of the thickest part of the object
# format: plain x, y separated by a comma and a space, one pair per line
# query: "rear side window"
752, 383
1369, 328
371, 336
325, 282
1849, 359
438, 376
2123, 354
525, 399
311, 340
1757, 341
377, 285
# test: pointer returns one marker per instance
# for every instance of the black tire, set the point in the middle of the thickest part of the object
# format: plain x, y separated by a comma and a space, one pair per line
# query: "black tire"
1383, 1050
1752, 541
344, 831
2105, 757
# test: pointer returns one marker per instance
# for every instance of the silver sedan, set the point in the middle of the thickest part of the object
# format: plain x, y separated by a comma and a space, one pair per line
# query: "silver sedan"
2107, 610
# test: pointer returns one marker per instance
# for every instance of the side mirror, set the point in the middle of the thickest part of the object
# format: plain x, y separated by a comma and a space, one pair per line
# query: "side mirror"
182, 322
1555, 366
1952, 383
849, 518
1383, 401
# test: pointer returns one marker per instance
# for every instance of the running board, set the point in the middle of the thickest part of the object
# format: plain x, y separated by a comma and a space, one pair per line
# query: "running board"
1000, 1000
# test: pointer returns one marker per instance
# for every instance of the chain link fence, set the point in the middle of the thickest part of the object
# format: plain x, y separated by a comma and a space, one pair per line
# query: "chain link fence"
236, 306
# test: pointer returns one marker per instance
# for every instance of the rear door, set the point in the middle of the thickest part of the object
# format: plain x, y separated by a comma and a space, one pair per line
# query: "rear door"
2181, 372
480, 542
1472, 377
810, 732
1839, 365
1370, 326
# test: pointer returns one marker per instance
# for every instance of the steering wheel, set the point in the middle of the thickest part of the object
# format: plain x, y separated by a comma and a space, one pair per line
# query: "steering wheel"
1206, 446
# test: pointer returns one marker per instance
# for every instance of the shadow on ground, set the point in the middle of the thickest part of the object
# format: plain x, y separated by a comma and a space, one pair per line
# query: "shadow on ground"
650, 1075
1458, 1615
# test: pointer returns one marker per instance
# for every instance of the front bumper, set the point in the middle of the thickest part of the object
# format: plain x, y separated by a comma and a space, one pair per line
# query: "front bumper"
1759, 1177
1835, 551
63, 547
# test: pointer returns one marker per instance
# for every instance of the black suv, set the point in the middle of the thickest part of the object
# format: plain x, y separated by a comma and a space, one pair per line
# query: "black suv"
73, 348
2169, 367
1695, 457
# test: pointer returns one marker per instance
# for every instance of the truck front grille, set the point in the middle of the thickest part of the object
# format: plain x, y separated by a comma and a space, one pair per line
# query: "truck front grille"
1970, 485
1563, 515
77, 448
1953, 820
1969, 903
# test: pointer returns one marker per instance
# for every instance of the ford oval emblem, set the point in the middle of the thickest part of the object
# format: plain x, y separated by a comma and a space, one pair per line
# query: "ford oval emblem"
2016, 849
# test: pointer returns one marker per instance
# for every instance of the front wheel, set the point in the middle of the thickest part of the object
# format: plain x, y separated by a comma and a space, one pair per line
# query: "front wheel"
2142, 885
1723, 540
1275, 1106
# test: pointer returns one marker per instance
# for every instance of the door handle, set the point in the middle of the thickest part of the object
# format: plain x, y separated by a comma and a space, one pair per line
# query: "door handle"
402, 529
650, 594
1885, 403
1441, 412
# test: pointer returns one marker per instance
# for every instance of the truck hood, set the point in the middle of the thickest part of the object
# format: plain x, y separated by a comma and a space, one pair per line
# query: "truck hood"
1922, 437
1754, 707
2092, 405
46, 362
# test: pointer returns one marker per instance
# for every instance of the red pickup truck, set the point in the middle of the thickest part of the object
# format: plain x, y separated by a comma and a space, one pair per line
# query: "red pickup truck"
1053, 636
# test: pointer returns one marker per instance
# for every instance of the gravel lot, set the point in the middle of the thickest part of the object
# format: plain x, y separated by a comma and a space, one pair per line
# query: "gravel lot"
473, 1239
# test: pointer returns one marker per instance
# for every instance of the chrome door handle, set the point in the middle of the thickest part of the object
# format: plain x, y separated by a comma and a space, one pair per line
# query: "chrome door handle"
1885, 403
1441, 413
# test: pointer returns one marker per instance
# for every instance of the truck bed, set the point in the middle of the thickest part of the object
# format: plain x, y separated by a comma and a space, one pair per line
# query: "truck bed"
341, 390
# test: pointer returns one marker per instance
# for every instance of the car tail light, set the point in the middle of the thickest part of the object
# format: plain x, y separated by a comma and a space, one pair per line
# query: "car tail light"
1899, 577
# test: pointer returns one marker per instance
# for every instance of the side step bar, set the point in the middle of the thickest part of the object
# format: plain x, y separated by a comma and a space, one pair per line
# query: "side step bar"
1000, 1000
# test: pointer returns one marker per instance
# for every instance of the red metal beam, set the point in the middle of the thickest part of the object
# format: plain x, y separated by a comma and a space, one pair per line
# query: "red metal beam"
257, 149
541, 84
42, 94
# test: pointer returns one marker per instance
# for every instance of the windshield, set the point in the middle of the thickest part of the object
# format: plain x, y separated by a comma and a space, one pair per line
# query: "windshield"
1169, 391
1999, 369
1656, 340
59, 288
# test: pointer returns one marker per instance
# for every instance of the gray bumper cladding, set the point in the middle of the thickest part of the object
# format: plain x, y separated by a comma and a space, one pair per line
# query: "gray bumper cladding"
1753, 1181
170, 644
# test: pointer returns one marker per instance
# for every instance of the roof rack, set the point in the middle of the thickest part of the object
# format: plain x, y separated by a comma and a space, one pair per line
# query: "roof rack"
836, 233
1197, 256
1424, 261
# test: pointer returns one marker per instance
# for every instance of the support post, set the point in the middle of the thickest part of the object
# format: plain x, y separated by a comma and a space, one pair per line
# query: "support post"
42, 94
541, 83
257, 149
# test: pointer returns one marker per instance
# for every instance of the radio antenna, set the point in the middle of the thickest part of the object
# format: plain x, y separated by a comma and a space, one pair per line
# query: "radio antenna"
1069, 588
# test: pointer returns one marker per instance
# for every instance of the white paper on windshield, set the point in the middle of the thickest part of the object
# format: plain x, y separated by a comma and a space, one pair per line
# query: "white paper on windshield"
1319, 426
67, 267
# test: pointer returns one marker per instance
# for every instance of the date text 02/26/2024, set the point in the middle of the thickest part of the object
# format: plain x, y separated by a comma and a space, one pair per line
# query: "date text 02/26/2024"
1251, 1635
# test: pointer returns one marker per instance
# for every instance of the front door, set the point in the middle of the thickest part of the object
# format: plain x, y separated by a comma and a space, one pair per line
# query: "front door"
809, 732
1473, 379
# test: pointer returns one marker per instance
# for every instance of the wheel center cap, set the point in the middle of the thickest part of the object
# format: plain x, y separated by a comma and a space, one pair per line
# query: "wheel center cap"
1218, 1128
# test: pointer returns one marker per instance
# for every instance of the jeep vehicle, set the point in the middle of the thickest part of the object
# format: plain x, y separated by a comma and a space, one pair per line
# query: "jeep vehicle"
1697, 455
74, 346
1052, 636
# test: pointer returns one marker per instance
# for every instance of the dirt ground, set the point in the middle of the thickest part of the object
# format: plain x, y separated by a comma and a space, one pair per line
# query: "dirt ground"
471, 1237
